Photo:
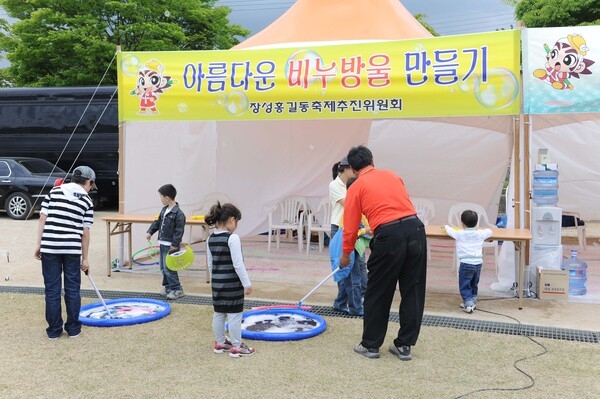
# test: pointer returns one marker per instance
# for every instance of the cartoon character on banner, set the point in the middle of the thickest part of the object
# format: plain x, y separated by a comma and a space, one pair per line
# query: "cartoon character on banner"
150, 83
565, 60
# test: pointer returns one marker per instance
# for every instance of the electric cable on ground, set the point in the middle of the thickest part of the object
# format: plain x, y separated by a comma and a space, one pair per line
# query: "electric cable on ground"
515, 364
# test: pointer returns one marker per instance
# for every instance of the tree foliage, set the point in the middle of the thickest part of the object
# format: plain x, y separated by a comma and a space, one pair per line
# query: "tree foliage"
548, 13
421, 18
73, 42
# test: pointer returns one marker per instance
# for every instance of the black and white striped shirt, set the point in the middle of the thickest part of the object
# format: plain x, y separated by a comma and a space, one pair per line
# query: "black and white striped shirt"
68, 209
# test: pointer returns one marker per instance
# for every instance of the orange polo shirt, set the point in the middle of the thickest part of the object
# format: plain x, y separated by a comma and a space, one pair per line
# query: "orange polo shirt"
378, 194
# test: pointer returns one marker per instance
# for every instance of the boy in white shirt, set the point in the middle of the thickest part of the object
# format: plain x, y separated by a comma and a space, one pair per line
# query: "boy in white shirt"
469, 250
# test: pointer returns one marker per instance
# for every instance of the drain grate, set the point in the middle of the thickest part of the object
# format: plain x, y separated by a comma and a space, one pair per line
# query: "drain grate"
327, 311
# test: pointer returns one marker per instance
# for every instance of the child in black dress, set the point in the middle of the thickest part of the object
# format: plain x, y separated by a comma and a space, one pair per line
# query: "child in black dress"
229, 279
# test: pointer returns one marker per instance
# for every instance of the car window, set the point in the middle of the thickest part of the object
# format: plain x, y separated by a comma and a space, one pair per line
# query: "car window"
39, 166
4, 169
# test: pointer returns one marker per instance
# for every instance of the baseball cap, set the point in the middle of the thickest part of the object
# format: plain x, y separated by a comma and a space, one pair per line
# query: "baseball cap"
344, 162
87, 173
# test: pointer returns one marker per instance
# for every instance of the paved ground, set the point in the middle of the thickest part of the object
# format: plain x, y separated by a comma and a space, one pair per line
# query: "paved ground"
287, 276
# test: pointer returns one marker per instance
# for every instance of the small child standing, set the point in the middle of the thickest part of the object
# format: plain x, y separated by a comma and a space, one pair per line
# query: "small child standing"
229, 279
469, 250
170, 226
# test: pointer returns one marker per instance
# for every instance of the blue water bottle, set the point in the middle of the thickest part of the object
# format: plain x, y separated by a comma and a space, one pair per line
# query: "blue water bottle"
577, 274
545, 187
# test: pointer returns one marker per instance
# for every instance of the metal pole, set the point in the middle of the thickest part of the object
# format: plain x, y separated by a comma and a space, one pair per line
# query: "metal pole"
317, 286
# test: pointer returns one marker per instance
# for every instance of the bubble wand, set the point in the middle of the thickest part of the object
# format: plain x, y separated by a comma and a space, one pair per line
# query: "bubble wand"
98, 293
317, 286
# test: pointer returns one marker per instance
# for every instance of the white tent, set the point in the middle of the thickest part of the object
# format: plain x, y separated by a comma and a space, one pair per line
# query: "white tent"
256, 164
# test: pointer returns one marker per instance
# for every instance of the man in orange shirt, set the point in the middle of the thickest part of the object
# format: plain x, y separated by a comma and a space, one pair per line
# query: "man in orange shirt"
398, 254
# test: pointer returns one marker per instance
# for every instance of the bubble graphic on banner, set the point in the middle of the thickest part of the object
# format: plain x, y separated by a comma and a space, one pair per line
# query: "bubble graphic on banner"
468, 85
130, 65
236, 103
220, 99
499, 91
182, 107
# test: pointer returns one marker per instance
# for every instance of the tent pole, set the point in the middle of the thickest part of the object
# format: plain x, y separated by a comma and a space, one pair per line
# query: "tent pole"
121, 174
121, 255
527, 170
526, 176
517, 171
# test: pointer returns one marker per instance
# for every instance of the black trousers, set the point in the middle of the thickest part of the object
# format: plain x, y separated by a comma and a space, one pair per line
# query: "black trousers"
398, 258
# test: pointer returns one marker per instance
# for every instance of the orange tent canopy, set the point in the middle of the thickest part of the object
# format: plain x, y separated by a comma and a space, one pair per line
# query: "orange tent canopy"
340, 20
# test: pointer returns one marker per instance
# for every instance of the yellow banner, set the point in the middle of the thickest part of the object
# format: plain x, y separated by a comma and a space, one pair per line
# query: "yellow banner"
444, 76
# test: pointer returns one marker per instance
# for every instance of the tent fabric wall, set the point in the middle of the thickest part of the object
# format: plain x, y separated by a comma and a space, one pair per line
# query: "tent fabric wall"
446, 161
259, 163
571, 140
255, 163
180, 153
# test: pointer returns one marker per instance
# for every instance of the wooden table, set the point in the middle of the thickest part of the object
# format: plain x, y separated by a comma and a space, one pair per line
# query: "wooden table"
122, 225
519, 237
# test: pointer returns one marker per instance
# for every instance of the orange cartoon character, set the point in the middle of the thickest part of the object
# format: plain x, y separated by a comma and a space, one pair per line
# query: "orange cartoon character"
150, 83
566, 59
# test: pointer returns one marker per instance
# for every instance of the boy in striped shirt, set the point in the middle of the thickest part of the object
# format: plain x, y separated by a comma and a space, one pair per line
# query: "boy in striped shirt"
63, 240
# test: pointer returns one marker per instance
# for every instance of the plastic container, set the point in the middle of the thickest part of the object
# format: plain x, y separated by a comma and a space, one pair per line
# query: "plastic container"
545, 187
180, 260
577, 274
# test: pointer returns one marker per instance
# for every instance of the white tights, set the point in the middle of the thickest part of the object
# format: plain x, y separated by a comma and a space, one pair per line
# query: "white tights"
235, 327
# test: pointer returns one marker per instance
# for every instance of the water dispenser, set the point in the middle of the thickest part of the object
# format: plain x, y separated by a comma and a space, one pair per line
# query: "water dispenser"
545, 225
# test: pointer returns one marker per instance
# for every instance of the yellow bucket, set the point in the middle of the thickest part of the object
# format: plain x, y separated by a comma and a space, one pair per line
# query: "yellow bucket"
181, 259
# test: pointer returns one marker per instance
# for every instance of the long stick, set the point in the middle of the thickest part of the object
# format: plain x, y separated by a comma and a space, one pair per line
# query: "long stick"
98, 293
317, 286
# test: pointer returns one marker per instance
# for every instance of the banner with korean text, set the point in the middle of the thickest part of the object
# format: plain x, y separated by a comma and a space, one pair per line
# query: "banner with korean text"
561, 70
443, 76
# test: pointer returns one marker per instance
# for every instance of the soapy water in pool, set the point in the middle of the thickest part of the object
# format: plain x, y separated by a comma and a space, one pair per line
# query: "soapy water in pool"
279, 323
124, 310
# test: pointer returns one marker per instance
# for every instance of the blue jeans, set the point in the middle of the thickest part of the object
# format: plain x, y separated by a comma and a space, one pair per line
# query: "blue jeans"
351, 289
341, 300
468, 280
363, 275
354, 286
170, 278
53, 268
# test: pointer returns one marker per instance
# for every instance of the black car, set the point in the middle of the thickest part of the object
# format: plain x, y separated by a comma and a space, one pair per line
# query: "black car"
24, 182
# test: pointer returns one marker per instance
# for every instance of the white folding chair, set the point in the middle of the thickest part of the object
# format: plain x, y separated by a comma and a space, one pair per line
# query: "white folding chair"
291, 212
483, 221
320, 222
581, 233
425, 212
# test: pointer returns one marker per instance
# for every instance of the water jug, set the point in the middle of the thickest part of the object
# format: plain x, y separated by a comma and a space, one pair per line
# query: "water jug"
577, 273
545, 187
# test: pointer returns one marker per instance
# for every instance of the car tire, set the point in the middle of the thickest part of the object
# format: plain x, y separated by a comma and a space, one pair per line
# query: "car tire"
18, 206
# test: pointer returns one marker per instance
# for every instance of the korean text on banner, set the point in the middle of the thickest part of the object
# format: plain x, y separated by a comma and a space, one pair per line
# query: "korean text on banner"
443, 76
